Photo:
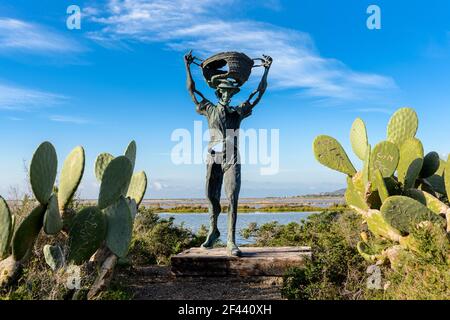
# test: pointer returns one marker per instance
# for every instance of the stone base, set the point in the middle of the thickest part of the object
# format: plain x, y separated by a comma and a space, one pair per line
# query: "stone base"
255, 261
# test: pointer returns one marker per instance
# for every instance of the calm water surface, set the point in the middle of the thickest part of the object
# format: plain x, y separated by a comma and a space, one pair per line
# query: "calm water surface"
194, 221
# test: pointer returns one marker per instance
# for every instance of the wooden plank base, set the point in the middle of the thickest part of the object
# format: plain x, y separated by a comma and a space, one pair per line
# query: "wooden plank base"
255, 261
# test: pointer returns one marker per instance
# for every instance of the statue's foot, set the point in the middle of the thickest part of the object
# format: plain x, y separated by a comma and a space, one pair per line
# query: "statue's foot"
233, 250
211, 239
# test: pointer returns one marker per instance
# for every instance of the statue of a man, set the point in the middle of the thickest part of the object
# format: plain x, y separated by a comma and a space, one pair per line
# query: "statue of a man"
223, 163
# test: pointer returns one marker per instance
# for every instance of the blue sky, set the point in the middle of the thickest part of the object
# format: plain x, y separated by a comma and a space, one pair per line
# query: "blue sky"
121, 77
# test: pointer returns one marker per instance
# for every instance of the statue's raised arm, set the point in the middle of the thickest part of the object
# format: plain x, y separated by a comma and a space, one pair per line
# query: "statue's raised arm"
188, 60
266, 63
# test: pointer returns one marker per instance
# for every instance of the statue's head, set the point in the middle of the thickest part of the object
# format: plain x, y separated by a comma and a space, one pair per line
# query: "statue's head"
225, 91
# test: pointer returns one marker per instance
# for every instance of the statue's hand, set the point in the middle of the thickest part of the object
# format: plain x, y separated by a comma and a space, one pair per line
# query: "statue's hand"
267, 61
188, 58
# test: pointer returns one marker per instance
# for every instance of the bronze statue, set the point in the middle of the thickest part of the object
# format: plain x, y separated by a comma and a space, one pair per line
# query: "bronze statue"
223, 163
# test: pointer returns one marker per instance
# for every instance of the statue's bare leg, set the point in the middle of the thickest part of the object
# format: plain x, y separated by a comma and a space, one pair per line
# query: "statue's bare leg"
232, 182
214, 178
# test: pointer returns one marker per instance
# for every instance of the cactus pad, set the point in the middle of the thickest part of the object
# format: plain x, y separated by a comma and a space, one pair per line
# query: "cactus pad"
130, 152
137, 187
366, 167
380, 185
86, 234
404, 213
358, 138
27, 232
329, 152
379, 227
43, 169
52, 219
385, 157
411, 162
431, 164
353, 197
54, 256
115, 182
101, 163
120, 227
6, 228
71, 174
447, 177
402, 126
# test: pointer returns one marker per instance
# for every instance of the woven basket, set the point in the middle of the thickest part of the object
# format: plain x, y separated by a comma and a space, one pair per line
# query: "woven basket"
239, 68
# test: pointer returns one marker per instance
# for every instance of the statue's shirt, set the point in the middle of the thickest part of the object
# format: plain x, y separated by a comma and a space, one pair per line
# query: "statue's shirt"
224, 123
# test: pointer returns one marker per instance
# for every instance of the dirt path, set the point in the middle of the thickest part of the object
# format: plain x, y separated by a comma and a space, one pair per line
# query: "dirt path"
157, 283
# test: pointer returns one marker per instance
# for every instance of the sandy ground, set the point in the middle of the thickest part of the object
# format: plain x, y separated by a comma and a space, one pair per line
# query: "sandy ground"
157, 283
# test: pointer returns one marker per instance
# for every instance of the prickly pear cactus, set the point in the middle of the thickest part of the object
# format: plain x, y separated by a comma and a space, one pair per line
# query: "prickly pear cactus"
329, 152
43, 172
130, 152
394, 207
138, 186
101, 163
402, 126
54, 256
52, 219
71, 174
358, 138
411, 162
120, 227
27, 232
86, 234
404, 213
6, 228
115, 181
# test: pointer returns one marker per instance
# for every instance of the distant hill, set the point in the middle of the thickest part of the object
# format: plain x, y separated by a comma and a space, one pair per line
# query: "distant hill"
337, 193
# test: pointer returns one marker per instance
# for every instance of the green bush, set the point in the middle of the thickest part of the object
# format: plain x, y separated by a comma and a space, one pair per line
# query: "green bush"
155, 240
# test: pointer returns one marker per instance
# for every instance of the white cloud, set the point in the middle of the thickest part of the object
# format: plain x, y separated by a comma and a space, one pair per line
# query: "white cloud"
25, 99
18, 35
68, 119
182, 24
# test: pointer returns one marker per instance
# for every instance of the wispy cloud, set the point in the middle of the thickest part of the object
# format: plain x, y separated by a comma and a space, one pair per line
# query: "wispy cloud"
17, 35
68, 119
181, 25
373, 110
26, 99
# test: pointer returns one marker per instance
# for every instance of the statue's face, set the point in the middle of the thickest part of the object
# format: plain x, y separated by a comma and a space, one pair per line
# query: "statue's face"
225, 95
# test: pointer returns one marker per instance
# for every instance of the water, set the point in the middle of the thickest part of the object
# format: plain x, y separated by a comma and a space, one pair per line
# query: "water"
194, 221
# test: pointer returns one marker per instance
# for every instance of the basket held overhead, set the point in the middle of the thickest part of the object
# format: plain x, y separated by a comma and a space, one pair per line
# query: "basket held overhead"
239, 68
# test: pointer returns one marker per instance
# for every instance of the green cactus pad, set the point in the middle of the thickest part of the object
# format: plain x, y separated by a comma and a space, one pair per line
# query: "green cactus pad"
133, 207
137, 187
53, 256
365, 251
71, 174
447, 177
385, 157
115, 181
431, 164
402, 126
101, 163
120, 227
329, 152
411, 161
437, 183
380, 185
130, 152
404, 213
86, 234
52, 219
353, 197
379, 227
366, 167
43, 169
27, 232
6, 228
431, 202
442, 166
358, 138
